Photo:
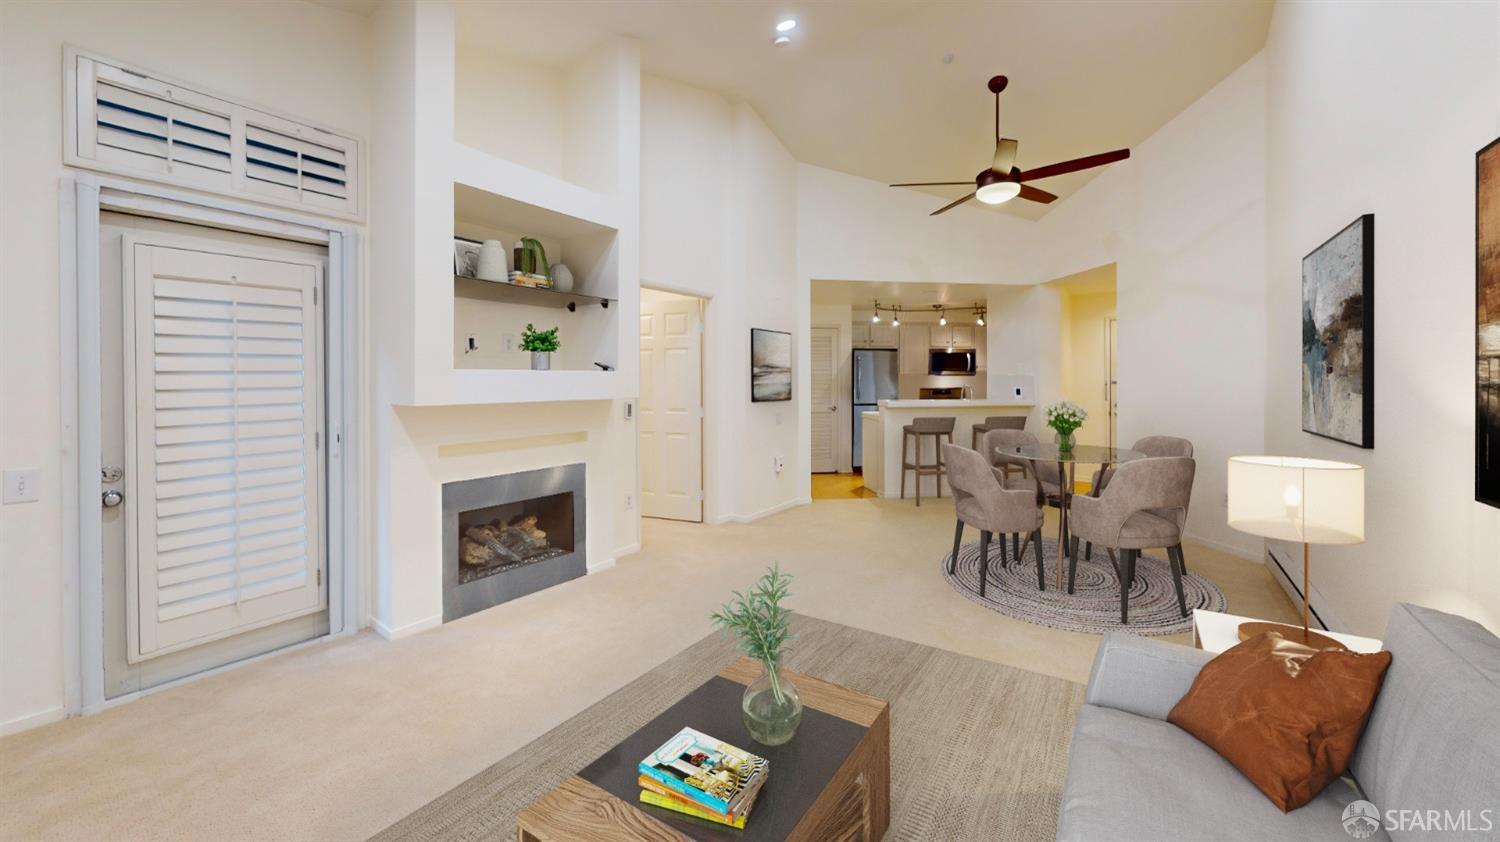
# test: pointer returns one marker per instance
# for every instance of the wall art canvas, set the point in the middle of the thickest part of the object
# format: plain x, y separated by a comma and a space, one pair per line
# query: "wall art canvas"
1487, 332
1338, 336
770, 365
465, 258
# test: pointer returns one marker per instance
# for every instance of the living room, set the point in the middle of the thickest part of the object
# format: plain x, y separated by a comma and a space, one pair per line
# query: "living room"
408, 578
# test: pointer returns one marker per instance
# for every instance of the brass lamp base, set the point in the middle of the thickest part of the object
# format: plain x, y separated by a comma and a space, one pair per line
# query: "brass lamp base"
1292, 633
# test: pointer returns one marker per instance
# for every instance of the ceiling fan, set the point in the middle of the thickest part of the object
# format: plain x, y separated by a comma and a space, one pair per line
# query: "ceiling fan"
1003, 181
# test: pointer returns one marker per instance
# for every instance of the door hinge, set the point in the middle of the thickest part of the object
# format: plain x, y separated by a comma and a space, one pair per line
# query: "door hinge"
317, 440
315, 296
319, 574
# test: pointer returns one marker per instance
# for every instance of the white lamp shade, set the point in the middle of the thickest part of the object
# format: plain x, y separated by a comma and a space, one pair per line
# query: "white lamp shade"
1310, 501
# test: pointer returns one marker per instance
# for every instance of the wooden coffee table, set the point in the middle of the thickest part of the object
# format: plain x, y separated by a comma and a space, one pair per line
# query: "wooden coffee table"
831, 782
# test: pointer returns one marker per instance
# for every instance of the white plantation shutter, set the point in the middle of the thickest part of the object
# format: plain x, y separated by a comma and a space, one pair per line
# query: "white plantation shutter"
135, 123
224, 485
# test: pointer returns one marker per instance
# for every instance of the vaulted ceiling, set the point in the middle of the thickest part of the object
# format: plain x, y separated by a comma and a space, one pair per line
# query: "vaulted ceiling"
895, 91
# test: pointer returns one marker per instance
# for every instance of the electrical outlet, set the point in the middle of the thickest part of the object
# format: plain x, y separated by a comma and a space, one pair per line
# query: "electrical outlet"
629, 502
779, 463
509, 341
23, 485
1018, 391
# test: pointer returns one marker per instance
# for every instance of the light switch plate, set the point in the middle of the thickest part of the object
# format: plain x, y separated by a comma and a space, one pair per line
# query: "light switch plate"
23, 485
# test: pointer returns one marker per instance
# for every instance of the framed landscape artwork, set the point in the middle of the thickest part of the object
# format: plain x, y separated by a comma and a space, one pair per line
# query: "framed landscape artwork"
1487, 330
1338, 336
770, 365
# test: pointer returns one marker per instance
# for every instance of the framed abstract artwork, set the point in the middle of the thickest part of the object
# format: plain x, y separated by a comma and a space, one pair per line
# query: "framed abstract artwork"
1338, 336
770, 365
1487, 325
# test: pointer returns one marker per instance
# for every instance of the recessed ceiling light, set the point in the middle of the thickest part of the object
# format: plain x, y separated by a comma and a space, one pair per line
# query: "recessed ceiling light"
782, 40
786, 26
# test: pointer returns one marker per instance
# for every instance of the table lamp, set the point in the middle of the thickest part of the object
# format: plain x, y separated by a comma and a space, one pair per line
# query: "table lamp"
1309, 501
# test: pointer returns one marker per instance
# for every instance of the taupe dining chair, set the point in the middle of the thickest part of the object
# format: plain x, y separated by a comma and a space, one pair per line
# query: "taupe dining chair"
1152, 446
1000, 447
919, 428
996, 422
982, 500
1144, 507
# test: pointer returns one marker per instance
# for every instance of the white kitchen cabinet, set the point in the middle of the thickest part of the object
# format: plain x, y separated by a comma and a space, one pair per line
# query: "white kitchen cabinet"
883, 335
859, 333
962, 336
913, 356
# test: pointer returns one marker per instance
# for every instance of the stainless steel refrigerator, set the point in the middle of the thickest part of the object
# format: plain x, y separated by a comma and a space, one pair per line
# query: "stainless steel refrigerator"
875, 378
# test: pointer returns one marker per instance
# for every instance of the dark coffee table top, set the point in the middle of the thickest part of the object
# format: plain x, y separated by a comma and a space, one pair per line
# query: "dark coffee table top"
800, 770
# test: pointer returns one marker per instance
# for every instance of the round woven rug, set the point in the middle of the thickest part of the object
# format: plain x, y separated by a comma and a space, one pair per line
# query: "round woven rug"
1094, 605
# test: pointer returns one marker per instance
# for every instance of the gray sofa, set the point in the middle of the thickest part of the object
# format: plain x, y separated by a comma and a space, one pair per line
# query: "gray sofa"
1432, 743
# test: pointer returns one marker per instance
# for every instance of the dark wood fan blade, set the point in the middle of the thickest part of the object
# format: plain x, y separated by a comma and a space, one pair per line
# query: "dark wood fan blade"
950, 207
934, 183
1075, 165
1037, 195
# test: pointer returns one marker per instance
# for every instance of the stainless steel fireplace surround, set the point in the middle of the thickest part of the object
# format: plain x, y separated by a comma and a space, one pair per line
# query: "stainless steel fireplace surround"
525, 532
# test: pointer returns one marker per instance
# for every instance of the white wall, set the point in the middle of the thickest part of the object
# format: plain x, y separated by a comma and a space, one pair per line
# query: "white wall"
264, 53
1379, 108
1184, 221
718, 210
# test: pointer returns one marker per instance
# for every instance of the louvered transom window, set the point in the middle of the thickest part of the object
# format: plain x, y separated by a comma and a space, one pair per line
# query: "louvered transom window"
225, 475
137, 124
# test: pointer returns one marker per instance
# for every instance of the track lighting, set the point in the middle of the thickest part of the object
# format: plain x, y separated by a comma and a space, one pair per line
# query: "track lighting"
895, 319
875, 318
943, 320
979, 321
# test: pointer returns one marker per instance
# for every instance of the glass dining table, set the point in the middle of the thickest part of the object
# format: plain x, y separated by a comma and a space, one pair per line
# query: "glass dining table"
1066, 462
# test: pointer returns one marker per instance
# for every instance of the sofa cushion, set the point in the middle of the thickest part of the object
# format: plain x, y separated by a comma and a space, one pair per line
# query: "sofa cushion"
1135, 778
1431, 742
1285, 714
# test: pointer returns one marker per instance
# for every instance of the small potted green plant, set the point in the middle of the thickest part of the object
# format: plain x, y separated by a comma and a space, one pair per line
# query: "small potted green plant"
771, 708
1066, 417
541, 344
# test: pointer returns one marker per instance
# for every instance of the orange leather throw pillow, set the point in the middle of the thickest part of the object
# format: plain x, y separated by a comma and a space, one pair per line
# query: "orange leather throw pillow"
1286, 715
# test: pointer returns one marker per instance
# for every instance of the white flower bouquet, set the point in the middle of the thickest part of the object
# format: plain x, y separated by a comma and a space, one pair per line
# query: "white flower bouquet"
1065, 417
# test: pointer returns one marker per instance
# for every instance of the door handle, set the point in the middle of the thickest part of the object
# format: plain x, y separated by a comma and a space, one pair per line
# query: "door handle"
112, 498
833, 409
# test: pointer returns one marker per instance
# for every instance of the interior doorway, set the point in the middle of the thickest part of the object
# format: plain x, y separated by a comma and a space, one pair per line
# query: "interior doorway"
1112, 383
823, 398
670, 414
212, 385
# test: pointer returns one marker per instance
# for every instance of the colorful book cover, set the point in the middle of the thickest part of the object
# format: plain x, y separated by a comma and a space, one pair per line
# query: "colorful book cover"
708, 771
746, 803
678, 805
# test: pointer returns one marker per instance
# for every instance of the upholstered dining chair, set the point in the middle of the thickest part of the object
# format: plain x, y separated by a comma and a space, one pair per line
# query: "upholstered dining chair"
982, 500
1144, 507
1152, 446
996, 422
1000, 447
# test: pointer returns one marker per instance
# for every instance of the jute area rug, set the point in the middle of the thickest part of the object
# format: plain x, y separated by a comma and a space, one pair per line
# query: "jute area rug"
978, 750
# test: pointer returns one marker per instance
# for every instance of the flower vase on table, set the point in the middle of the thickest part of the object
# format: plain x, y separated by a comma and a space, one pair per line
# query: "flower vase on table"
1065, 418
771, 708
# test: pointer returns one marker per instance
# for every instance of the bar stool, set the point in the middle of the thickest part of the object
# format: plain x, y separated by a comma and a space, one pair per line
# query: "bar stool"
919, 427
996, 422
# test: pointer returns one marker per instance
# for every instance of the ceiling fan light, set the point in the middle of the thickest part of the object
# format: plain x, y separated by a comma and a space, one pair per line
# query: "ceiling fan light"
787, 25
997, 192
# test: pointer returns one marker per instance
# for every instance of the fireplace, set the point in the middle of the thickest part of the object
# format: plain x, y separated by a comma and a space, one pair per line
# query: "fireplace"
510, 535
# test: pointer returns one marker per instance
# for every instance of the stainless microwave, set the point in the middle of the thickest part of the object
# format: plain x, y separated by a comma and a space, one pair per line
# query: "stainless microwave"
957, 361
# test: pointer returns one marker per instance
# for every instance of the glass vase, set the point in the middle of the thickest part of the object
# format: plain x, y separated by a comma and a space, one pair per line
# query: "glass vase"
1064, 441
771, 707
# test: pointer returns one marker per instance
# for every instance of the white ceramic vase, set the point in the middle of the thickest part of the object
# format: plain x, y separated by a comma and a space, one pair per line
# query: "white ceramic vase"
491, 261
562, 278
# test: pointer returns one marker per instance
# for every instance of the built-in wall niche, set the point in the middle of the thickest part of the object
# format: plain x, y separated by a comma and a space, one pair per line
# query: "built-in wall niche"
490, 315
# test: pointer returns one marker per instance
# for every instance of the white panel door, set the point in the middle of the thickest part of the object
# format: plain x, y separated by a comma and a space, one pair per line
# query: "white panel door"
823, 403
223, 529
670, 420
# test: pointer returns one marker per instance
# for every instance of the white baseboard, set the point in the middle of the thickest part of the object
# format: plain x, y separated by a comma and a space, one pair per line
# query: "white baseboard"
779, 507
602, 565
407, 630
33, 720
1227, 549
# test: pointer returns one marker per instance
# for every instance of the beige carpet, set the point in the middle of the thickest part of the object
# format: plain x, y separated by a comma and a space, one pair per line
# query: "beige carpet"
978, 750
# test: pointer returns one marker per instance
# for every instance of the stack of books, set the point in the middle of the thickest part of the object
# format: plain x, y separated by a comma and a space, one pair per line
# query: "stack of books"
699, 776
527, 279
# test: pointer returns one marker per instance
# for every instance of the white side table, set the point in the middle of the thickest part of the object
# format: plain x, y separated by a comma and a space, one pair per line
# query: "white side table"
1214, 632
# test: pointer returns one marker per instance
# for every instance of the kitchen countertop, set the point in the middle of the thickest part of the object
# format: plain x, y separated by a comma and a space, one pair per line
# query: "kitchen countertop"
953, 404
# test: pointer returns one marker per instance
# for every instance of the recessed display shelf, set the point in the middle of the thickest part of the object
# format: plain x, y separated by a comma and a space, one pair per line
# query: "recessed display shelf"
510, 293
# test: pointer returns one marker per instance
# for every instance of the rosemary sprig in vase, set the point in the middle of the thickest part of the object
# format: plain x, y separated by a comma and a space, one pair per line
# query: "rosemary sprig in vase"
771, 706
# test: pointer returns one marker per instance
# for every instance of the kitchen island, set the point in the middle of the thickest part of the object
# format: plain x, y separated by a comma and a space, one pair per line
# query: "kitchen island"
881, 453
